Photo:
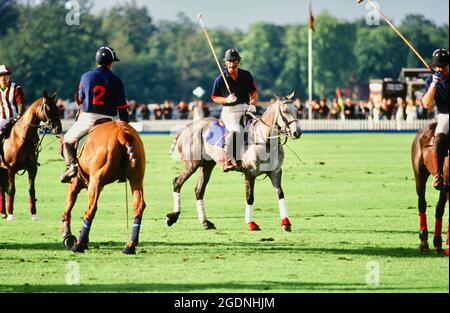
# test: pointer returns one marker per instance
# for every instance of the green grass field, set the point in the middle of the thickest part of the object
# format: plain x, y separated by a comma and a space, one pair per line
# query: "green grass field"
351, 200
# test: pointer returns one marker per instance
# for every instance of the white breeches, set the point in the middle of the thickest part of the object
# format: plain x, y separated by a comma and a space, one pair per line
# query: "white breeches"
442, 124
82, 126
231, 116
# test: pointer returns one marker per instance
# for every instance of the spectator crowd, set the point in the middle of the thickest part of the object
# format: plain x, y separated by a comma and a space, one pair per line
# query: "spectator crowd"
335, 109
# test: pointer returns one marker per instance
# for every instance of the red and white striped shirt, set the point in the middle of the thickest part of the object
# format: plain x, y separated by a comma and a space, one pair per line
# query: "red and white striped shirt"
11, 98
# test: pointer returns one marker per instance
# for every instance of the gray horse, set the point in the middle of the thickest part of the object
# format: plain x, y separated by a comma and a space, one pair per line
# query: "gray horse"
262, 154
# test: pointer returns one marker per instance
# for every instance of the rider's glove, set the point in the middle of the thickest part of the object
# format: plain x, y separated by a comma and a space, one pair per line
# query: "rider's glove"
231, 98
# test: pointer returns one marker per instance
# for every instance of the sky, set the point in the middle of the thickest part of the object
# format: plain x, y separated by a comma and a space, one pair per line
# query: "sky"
242, 13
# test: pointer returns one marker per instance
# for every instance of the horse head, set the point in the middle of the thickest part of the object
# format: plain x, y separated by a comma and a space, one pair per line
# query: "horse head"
284, 116
48, 113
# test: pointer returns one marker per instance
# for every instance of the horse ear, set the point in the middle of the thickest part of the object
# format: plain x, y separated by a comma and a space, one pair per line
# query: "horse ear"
276, 96
291, 96
45, 93
53, 96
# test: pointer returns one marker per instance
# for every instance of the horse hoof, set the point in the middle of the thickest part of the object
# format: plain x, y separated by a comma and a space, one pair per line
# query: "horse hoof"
35, 217
424, 247
78, 248
10, 218
69, 241
208, 225
286, 228
129, 250
253, 226
439, 250
4, 216
172, 218
286, 224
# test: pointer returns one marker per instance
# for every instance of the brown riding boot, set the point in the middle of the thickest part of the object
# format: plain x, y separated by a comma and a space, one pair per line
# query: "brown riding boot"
71, 163
438, 180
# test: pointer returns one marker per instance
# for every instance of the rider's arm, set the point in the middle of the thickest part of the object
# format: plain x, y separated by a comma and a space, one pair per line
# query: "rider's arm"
219, 100
20, 100
428, 98
254, 97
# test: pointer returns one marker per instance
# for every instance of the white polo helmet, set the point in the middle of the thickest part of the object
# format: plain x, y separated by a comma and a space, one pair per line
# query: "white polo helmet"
5, 70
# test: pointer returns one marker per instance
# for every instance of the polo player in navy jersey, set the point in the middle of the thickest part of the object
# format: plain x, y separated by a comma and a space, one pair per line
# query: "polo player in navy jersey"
102, 95
243, 98
437, 91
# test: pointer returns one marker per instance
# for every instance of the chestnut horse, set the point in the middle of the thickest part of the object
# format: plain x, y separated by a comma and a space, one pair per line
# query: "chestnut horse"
423, 167
264, 155
112, 151
21, 150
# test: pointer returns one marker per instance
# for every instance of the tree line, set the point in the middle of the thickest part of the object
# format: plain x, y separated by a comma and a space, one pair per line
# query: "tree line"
168, 59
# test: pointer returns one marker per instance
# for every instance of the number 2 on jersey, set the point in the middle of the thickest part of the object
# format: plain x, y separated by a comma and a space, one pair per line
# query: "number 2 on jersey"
99, 92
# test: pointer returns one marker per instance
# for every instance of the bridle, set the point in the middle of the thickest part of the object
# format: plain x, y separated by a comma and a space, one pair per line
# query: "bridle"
48, 124
275, 127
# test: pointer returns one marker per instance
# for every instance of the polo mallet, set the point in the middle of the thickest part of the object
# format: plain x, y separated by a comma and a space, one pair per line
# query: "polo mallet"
199, 19
398, 33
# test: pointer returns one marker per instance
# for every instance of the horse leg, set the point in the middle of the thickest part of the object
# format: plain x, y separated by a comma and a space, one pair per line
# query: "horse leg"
189, 168
3, 187
11, 194
250, 199
32, 171
72, 193
448, 228
203, 179
138, 208
2, 203
275, 178
440, 208
93, 193
421, 176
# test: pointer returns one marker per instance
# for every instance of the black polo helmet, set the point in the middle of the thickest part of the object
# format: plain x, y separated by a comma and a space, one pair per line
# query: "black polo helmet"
105, 55
440, 58
231, 55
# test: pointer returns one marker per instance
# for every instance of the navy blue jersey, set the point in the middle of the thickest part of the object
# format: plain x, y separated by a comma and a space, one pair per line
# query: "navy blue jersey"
242, 87
442, 94
102, 92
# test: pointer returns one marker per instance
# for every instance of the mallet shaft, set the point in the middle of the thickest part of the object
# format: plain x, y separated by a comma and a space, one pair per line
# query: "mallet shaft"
214, 53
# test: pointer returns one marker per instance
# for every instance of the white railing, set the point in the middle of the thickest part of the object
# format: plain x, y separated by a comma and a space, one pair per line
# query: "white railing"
170, 126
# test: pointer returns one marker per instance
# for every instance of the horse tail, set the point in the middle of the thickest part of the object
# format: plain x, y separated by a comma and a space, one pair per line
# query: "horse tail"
125, 139
175, 142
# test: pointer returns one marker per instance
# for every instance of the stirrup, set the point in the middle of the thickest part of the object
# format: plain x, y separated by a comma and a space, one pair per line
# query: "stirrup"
71, 172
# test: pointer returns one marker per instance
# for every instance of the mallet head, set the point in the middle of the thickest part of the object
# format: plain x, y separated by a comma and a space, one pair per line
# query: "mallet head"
199, 17
359, 1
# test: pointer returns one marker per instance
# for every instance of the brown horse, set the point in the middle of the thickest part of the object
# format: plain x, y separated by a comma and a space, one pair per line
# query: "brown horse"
113, 151
264, 155
21, 150
423, 167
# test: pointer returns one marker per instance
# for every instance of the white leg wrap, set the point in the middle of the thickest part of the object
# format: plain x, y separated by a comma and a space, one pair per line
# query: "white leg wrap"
176, 202
283, 208
249, 213
201, 211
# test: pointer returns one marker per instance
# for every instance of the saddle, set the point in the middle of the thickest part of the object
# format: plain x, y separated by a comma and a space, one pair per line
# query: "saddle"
216, 133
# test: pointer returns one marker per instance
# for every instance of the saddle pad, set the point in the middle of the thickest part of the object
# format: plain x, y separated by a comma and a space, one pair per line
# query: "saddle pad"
216, 135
